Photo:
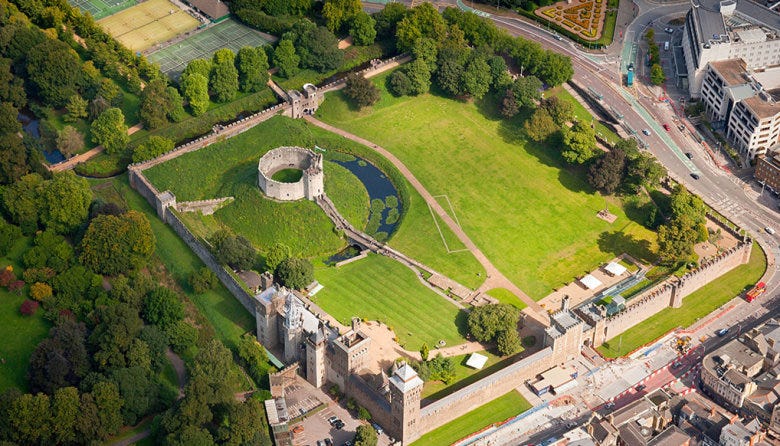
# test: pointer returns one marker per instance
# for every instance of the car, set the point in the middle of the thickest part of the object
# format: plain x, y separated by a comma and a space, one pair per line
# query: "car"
669, 30
667, 128
695, 176
722, 332
640, 387
338, 424
328, 442
689, 155
646, 132
769, 230
557, 37
378, 428
297, 429
609, 405
320, 443
676, 364
333, 419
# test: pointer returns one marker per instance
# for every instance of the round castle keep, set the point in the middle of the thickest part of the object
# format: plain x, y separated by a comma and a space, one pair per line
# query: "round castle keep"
311, 184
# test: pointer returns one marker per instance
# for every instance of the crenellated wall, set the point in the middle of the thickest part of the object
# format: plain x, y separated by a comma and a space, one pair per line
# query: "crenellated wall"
205, 207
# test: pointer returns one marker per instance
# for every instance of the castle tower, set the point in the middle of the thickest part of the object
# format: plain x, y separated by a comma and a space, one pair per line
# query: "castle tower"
314, 181
266, 317
292, 329
315, 357
405, 390
350, 354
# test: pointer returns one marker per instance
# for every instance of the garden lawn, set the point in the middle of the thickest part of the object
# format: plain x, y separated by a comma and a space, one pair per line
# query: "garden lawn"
434, 390
229, 168
20, 334
228, 317
379, 288
531, 214
498, 410
505, 296
697, 305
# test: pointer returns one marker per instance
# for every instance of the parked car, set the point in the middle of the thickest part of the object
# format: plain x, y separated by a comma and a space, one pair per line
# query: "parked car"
722, 332
609, 405
695, 176
328, 442
338, 424
676, 364
667, 128
646, 132
641, 387
378, 428
669, 30
298, 429
333, 419
689, 155
769, 230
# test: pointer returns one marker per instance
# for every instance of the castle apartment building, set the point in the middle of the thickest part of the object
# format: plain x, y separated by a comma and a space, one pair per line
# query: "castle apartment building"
730, 29
743, 103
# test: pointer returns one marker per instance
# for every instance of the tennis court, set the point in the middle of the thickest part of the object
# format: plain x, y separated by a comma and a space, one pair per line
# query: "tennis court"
102, 8
147, 24
227, 34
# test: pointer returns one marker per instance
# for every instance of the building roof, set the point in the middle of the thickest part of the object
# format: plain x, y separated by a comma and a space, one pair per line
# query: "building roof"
276, 409
671, 436
565, 319
615, 268
405, 378
590, 282
761, 107
631, 411
476, 361
215, 9
732, 71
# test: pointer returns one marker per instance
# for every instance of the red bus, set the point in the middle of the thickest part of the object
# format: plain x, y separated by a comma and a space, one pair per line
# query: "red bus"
757, 290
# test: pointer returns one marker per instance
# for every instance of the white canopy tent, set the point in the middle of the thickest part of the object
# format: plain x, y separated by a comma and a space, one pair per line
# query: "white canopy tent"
590, 282
476, 361
615, 268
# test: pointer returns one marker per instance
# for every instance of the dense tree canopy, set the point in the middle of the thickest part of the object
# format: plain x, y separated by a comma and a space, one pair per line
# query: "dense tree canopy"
196, 92
339, 13
579, 143
117, 244
54, 71
65, 202
152, 148
361, 91
235, 251
224, 75
607, 172
317, 48
540, 126
109, 129
488, 321
155, 104
362, 29
286, 59
295, 273
163, 308
252, 65
421, 21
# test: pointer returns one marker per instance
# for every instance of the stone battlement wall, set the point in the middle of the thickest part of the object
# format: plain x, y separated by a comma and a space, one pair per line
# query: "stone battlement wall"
205, 207
672, 292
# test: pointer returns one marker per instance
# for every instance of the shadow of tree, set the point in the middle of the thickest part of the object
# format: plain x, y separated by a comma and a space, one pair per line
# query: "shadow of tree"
617, 243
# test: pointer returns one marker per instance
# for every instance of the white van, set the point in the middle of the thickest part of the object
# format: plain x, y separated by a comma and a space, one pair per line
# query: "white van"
666, 46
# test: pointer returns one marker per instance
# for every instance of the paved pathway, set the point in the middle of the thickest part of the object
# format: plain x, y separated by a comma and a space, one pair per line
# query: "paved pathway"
181, 370
495, 279
82, 157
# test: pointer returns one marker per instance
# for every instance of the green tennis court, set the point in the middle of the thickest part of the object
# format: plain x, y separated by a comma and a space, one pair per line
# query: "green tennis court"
227, 34
102, 8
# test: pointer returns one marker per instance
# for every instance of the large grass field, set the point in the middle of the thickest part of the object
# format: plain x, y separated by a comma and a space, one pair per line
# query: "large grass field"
695, 306
379, 288
19, 334
495, 411
229, 168
148, 23
531, 214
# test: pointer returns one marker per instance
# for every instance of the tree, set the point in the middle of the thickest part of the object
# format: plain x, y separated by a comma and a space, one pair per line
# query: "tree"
252, 64
361, 91
224, 75
540, 126
645, 171
426, 50
109, 405
387, 19
54, 70
30, 419
212, 364
363, 29
685, 203
527, 90
175, 105
152, 148
508, 342
476, 77
509, 105
318, 49
607, 172
657, 76
112, 338
241, 425
65, 202
424, 351
157, 343
419, 77
338, 13
197, 66
554, 69
73, 286
196, 92
9, 234
295, 273
8, 119
203, 280
579, 143
235, 251
13, 159
366, 436
276, 254
560, 111
28, 307
138, 391
486, 322
155, 104
64, 413
421, 21
76, 107
22, 200
499, 72
109, 129
69, 141
163, 308
451, 64
676, 239
286, 59
61, 360
399, 83
40, 291
190, 436
117, 244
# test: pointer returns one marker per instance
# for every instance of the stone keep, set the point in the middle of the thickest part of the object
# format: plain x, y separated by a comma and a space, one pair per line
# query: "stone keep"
310, 186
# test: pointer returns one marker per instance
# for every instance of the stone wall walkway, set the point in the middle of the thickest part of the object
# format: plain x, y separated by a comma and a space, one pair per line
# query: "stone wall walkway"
495, 279
83, 157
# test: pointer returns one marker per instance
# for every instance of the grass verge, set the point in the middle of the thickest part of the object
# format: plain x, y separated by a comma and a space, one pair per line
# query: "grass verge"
464, 376
505, 296
697, 305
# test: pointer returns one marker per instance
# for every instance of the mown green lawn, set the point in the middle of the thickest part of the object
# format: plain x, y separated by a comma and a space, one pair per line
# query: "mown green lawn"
505, 296
379, 288
19, 334
695, 306
532, 215
463, 375
495, 411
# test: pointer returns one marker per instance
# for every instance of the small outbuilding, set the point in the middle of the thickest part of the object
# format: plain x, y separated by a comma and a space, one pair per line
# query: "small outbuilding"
476, 361
590, 282
615, 269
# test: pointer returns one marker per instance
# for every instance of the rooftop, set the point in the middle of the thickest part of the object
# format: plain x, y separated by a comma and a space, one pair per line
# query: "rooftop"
405, 378
732, 71
671, 436
565, 318
276, 410
763, 105
215, 9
